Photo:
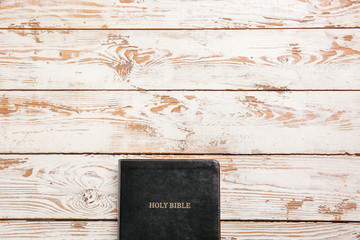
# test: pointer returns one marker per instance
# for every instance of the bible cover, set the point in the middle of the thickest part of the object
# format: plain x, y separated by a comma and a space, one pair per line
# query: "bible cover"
169, 200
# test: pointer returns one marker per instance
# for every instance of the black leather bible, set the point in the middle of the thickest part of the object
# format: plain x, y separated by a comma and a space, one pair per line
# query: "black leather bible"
169, 200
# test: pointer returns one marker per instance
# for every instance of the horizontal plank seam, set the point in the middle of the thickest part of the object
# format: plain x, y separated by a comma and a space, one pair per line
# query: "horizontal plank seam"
115, 220
181, 29
289, 221
56, 219
180, 154
180, 90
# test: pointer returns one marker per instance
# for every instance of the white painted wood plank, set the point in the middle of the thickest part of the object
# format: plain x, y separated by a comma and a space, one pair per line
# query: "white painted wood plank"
64, 230
89, 230
179, 122
248, 59
179, 14
252, 187
285, 230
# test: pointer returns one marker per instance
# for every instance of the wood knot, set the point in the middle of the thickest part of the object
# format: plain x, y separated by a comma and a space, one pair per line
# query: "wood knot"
182, 145
79, 225
89, 196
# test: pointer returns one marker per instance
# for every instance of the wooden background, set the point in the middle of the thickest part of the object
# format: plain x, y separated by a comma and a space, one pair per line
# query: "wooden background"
268, 88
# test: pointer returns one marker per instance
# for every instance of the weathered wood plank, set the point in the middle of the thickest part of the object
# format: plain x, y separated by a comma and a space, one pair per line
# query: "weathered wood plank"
179, 122
179, 14
252, 187
91, 230
64, 230
283, 231
253, 59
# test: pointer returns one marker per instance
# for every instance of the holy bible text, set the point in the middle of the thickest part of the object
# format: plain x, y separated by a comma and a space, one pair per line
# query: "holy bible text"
169, 205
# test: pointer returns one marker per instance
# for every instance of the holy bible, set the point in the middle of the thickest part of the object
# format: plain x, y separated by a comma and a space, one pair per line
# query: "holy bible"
169, 200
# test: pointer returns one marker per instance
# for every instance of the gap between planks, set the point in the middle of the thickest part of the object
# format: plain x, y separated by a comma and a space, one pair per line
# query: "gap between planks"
178, 90
179, 154
176, 29
229, 230
224, 220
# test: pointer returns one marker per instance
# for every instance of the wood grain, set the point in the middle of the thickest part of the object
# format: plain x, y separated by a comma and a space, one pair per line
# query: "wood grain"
283, 231
252, 187
256, 59
146, 14
53, 230
179, 122
229, 230
90, 230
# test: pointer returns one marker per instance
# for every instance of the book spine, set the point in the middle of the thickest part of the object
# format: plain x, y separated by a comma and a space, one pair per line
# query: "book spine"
119, 197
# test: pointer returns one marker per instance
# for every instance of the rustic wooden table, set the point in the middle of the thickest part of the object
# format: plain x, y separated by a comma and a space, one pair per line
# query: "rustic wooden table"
268, 88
